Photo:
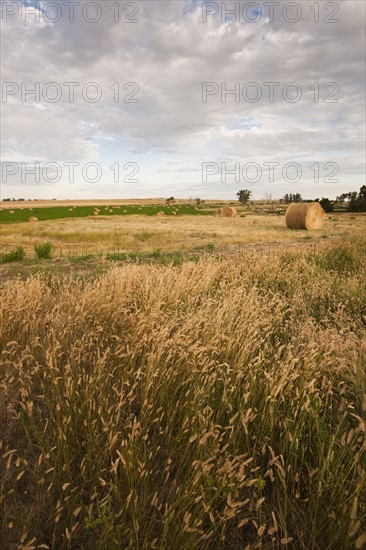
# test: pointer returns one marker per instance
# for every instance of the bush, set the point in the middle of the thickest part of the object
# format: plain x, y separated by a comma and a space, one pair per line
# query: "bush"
326, 204
16, 255
43, 250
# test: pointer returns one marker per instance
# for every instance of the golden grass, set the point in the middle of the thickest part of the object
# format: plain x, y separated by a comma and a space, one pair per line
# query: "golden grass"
213, 405
171, 233
107, 202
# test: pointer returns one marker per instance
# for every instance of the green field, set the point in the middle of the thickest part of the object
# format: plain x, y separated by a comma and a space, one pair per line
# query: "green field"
60, 212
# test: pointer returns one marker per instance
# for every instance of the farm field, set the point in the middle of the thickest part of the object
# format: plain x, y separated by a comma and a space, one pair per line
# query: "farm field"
184, 381
215, 404
11, 205
137, 230
185, 370
43, 212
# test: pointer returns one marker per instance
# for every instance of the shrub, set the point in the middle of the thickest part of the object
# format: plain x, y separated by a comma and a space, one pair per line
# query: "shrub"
16, 255
326, 204
43, 250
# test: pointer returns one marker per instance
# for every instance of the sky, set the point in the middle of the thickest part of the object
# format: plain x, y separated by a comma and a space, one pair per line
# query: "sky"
183, 98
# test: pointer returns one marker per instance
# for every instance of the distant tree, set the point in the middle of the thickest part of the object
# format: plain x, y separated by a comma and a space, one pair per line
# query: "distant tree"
357, 202
292, 197
198, 200
326, 204
171, 200
244, 195
350, 196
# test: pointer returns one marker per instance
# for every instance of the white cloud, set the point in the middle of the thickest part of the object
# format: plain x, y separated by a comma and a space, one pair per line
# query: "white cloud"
169, 53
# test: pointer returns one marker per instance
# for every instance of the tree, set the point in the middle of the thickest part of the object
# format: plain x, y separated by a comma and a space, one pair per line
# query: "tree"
244, 195
326, 204
171, 200
292, 197
350, 196
199, 201
357, 202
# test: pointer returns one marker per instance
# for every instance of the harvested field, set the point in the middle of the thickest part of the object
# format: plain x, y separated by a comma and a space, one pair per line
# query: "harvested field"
107, 233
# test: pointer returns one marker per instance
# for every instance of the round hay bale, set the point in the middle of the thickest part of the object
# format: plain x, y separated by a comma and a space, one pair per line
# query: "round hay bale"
33, 219
228, 212
160, 213
125, 211
304, 216
174, 213
71, 209
11, 212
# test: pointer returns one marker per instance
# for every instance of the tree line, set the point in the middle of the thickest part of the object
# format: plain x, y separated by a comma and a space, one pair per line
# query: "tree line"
356, 201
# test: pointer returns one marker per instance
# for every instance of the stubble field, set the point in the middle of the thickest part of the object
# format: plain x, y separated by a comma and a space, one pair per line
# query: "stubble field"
137, 229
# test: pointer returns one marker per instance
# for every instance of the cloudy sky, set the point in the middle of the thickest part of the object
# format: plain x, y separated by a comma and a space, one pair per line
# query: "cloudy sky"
132, 99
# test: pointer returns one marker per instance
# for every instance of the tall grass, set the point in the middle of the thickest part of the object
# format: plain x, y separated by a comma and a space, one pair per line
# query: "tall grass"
205, 406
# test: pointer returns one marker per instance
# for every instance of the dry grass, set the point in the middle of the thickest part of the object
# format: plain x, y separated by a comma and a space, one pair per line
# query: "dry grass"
107, 202
209, 406
170, 233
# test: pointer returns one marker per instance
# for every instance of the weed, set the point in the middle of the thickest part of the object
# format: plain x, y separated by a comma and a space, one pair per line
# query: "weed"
43, 250
16, 255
